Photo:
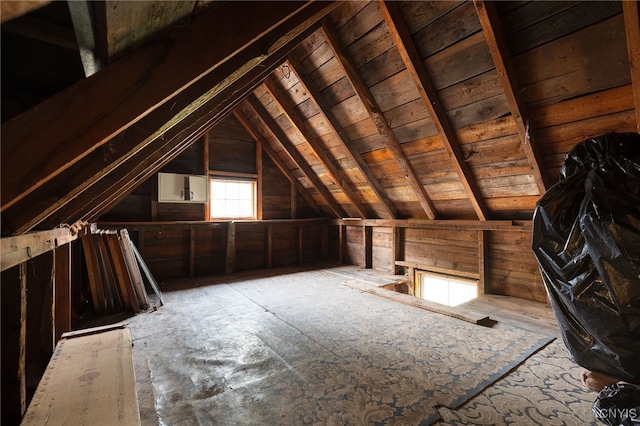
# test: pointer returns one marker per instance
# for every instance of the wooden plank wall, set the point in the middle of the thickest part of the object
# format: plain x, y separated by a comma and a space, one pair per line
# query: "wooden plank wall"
511, 267
188, 249
36, 309
497, 253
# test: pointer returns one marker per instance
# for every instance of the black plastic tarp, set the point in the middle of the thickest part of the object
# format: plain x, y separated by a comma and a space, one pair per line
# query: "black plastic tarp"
586, 239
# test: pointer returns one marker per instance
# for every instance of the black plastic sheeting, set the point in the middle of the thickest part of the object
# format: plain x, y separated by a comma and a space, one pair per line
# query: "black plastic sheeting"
586, 239
618, 405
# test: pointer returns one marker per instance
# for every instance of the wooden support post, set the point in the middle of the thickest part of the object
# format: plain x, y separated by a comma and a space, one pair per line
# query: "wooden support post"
367, 247
324, 243
269, 246
397, 251
230, 264
62, 290
22, 342
300, 244
414, 290
140, 242
154, 199
342, 237
483, 245
259, 181
294, 201
205, 166
192, 252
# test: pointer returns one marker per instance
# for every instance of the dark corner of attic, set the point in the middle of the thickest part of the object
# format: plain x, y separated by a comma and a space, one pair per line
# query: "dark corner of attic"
328, 213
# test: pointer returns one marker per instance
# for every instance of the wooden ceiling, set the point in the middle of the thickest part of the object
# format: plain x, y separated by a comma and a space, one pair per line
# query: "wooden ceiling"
405, 110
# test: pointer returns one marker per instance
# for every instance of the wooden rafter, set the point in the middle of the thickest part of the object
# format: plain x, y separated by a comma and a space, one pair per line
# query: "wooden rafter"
370, 104
412, 61
275, 158
492, 29
632, 31
294, 155
336, 175
180, 137
330, 118
74, 128
13, 9
104, 176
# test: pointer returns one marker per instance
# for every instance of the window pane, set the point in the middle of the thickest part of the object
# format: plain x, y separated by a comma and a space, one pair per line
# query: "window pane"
218, 190
232, 191
447, 290
245, 208
245, 192
218, 209
232, 199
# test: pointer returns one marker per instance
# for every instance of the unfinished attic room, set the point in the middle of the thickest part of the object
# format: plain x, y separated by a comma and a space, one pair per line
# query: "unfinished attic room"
324, 213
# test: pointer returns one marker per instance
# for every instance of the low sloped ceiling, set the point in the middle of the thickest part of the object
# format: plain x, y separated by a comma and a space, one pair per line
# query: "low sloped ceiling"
425, 110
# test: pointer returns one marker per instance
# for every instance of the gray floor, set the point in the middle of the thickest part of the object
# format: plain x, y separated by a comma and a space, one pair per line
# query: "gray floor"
301, 347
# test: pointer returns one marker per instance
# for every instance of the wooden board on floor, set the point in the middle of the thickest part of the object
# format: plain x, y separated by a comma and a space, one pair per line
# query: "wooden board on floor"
89, 380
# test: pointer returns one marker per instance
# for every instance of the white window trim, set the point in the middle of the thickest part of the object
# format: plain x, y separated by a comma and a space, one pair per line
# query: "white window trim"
254, 201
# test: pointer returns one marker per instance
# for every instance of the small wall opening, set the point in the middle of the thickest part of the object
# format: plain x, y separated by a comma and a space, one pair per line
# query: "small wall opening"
444, 289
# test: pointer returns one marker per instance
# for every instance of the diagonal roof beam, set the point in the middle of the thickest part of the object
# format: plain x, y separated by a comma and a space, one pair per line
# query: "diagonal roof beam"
110, 172
404, 43
632, 29
336, 175
147, 161
294, 155
13, 9
370, 104
275, 158
69, 126
492, 29
325, 110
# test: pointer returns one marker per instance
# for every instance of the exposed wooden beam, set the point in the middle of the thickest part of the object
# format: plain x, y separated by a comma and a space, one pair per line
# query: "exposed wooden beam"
632, 29
492, 29
12, 9
38, 29
502, 225
180, 137
412, 61
19, 249
74, 123
353, 155
370, 104
137, 152
294, 155
336, 175
278, 162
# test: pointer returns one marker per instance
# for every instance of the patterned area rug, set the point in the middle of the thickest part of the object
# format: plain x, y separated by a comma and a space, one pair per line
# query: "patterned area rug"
545, 390
305, 349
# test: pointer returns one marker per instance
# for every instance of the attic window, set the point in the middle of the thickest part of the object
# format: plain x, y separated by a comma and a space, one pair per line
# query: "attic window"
232, 198
446, 290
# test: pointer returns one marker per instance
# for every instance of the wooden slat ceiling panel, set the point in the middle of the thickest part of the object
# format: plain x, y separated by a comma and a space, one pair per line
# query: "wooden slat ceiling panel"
412, 109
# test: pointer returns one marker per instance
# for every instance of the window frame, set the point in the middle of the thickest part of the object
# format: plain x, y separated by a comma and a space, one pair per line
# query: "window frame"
234, 178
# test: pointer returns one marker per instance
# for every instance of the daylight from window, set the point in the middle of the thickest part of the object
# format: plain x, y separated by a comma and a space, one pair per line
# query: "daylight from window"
447, 291
232, 199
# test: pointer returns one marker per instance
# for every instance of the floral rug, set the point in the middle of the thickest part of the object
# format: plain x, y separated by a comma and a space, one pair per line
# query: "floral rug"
303, 348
